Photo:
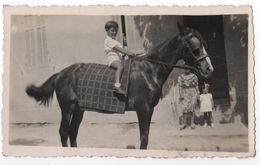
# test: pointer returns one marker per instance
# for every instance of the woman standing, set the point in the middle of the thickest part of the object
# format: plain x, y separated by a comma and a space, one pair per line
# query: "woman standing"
189, 96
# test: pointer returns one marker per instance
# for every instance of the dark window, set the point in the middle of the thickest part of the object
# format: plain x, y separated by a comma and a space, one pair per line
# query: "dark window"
211, 28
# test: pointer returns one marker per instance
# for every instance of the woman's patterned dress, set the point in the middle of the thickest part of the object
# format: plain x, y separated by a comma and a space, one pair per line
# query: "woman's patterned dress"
189, 92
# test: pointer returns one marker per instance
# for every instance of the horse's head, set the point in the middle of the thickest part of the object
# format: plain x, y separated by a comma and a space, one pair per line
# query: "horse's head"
193, 51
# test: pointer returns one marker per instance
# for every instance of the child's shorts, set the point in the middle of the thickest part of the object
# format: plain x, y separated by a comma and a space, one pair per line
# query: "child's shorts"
113, 58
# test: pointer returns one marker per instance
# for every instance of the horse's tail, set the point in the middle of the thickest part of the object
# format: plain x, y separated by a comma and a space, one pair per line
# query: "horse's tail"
44, 93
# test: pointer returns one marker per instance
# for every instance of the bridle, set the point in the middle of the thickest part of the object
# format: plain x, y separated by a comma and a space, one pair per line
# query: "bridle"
187, 42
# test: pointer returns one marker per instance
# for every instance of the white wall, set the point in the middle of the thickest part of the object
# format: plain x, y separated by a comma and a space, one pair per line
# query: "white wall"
70, 39
73, 39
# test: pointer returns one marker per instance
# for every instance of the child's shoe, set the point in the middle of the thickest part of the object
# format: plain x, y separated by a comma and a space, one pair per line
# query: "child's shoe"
118, 90
212, 125
205, 125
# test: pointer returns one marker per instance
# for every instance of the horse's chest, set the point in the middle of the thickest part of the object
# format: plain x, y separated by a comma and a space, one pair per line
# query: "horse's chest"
145, 78
144, 89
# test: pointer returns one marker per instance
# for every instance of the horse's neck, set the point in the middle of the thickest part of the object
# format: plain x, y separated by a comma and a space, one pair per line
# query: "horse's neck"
160, 71
167, 54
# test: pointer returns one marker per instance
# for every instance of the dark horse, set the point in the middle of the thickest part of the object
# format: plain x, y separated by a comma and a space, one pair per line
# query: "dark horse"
147, 76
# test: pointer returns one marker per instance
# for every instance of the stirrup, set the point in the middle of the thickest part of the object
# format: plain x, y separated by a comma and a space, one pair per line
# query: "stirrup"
118, 90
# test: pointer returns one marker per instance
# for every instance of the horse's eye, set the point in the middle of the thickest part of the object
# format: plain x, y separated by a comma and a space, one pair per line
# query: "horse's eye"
196, 52
190, 36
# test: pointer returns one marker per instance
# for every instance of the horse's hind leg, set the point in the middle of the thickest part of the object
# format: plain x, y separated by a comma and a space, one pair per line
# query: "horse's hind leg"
68, 107
74, 126
64, 125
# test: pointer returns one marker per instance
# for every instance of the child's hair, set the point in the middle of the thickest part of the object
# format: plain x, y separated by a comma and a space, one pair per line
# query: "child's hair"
205, 86
110, 24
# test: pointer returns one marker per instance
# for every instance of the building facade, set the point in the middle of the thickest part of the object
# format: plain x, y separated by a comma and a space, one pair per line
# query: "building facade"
44, 45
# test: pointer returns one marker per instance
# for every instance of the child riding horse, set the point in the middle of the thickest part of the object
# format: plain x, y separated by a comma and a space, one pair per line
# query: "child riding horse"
147, 77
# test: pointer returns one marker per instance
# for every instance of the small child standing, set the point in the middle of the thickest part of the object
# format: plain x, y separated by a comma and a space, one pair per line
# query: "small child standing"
115, 52
206, 105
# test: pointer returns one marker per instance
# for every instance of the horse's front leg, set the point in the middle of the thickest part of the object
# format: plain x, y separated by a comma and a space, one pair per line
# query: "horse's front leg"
144, 117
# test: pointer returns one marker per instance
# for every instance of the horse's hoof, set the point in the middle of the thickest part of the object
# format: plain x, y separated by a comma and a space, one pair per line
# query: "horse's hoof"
130, 147
183, 127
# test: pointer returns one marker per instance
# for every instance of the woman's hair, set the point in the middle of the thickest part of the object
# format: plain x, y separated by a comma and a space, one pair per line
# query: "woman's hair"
111, 24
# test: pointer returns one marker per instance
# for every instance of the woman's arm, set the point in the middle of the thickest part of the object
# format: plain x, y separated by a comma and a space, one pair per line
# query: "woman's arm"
123, 51
196, 82
180, 94
197, 90
180, 88
198, 101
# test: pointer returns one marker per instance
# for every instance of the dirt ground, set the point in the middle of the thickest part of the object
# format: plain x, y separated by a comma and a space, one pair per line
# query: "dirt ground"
40, 128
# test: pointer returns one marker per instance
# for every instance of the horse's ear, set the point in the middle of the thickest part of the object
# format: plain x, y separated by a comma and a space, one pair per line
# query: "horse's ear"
180, 27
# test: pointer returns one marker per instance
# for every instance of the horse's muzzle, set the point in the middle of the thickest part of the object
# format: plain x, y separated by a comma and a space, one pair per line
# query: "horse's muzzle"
206, 72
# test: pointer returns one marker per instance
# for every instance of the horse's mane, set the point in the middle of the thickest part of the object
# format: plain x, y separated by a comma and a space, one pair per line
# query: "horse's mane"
198, 35
195, 33
159, 48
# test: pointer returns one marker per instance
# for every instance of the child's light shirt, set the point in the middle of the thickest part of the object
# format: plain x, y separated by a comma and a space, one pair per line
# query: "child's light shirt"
205, 102
109, 44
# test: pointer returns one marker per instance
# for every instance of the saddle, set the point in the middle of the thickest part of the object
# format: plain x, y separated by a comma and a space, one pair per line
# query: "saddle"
95, 88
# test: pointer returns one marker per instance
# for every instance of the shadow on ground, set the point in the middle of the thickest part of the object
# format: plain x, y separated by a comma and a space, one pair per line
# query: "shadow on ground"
27, 142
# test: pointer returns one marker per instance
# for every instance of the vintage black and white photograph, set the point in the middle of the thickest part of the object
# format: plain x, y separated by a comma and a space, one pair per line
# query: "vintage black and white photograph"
179, 83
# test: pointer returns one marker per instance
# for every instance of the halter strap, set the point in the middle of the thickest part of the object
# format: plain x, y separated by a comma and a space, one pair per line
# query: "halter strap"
197, 59
187, 40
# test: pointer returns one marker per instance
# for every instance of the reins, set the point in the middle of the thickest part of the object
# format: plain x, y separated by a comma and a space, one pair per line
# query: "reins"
167, 64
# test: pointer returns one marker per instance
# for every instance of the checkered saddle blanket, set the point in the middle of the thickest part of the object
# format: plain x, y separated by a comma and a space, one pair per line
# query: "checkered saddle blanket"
95, 88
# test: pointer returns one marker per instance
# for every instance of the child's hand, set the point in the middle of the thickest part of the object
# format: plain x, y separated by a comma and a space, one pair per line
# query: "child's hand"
214, 108
124, 41
198, 101
131, 54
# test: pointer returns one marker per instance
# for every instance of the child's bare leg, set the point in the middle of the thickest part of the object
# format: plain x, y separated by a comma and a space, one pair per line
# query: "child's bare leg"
211, 119
119, 71
205, 119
